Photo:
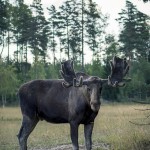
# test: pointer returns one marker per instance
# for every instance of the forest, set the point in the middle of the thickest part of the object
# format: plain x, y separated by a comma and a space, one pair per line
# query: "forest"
40, 42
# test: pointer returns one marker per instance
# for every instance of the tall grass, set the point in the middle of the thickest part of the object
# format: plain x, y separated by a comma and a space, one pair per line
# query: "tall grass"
111, 127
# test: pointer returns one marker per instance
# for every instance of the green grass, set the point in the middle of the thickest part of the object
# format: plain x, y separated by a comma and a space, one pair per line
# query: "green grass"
111, 127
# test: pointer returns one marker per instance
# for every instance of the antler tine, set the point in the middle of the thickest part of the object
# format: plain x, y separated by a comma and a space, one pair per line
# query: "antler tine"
126, 66
80, 82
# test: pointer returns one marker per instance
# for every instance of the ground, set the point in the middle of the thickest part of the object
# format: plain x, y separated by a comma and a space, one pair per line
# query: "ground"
100, 146
112, 130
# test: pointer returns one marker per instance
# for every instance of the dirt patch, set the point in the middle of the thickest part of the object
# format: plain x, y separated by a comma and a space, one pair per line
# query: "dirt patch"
100, 146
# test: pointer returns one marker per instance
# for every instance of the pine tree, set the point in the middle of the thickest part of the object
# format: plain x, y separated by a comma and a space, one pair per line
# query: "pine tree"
21, 30
95, 26
9, 28
8, 80
112, 47
65, 19
145, 1
38, 29
76, 30
53, 23
142, 34
134, 35
3, 24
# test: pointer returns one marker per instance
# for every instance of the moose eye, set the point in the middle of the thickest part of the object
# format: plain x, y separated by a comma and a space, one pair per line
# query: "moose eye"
100, 89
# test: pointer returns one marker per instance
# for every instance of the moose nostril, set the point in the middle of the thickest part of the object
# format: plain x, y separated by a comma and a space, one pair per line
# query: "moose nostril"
95, 103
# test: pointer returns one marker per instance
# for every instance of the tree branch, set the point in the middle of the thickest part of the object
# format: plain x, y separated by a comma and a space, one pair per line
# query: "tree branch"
141, 109
139, 124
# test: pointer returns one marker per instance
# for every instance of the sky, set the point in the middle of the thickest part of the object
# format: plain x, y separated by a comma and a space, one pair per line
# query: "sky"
111, 7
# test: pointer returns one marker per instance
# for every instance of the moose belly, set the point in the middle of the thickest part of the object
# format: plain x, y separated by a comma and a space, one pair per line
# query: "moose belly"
53, 118
53, 110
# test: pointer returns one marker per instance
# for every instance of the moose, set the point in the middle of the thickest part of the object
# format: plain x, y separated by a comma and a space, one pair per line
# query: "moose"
75, 99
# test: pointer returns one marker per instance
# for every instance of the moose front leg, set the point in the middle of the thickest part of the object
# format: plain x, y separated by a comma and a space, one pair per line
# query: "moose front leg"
88, 128
74, 135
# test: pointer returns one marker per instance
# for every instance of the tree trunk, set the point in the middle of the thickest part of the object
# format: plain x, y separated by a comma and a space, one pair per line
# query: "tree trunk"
4, 100
8, 46
82, 39
60, 49
68, 40
2, 46
53, 46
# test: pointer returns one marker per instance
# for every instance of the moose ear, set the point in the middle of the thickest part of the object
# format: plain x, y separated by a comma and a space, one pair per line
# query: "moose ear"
66, 85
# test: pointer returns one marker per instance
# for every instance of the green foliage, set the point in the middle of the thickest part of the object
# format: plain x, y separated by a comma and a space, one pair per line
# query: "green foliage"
37, 71
21, 30
38, 29
3, 20
8, 79
52, 72
8, 82
95, 28
95, 69
52, 23
134, 27
112, 48
139, 87
70, 27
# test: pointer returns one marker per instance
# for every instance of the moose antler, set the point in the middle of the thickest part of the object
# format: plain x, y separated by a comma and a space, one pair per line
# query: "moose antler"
119, 69
68, 74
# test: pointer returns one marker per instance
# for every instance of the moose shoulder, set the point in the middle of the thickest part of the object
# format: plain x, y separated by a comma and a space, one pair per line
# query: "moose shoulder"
74, 100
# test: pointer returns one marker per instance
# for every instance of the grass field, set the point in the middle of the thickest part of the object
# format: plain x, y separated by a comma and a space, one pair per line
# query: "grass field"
112, 127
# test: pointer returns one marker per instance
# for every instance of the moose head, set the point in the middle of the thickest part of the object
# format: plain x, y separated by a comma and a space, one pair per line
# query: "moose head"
92, 85
119, 69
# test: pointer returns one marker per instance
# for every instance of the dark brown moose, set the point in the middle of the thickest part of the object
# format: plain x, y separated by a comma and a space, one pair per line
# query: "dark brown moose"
74, 100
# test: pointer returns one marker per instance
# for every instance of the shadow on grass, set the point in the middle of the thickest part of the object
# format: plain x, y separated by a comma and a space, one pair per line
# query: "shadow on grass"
143, 145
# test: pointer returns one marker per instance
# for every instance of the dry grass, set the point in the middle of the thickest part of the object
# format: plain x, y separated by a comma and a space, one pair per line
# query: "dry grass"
111, 126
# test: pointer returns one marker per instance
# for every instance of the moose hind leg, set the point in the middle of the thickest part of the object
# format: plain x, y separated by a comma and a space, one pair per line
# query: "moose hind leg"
26, 128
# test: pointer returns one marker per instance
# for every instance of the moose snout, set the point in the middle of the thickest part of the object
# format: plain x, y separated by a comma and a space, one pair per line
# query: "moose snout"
95, 106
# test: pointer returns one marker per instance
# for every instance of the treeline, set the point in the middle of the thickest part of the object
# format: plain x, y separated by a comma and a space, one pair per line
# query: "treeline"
71, 29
